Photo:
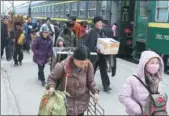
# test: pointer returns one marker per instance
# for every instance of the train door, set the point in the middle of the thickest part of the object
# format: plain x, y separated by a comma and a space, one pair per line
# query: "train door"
125, 26
140, 28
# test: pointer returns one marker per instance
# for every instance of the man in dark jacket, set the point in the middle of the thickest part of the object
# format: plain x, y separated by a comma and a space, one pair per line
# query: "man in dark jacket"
91, 41
4, 36
112, 58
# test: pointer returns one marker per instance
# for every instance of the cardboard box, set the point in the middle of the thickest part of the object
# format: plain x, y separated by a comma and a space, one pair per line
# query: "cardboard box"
108, 46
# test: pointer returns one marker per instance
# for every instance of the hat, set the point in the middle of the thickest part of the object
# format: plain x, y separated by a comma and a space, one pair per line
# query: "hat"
48, 18
97, 19
81, 53
72, 18
5, 17
45, 29
70, 23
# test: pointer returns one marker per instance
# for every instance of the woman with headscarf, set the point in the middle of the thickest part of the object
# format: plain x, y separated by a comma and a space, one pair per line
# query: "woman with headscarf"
80, 81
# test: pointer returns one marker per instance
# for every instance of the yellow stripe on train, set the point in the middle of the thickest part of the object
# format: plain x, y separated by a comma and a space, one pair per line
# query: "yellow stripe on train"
55, 3
159, 25
63, 19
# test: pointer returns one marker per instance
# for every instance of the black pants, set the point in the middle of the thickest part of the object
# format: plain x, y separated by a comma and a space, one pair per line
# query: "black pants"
165, 59
27, 43
41, 75
7, 45
114, 65
102, 63
18, 54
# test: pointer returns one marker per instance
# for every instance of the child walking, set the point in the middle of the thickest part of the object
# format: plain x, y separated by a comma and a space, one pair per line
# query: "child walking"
42, 49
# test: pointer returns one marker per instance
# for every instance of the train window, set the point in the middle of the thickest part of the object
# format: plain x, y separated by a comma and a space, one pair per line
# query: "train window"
162, 8
47, 11
56, 10
61, 10
103, 9
144, 8
82, 9
74, 9
43, 11
52, 10
92, 9
67, 9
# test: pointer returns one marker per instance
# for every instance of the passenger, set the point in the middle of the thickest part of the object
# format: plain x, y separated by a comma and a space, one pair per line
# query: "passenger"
28, 28
111, 58
91, 41
76, 27
19, 40
42, 49
80, 82
66, 37
149, 71
51, 28
57, 30
4, 37
35, 30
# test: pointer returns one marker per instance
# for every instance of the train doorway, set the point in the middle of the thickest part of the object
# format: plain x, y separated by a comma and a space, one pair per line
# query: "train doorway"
125, 27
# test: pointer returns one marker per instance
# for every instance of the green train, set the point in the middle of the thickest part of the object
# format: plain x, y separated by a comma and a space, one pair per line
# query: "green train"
141, 24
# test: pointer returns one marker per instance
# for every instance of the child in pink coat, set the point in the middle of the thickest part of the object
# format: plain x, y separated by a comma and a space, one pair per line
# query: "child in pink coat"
149, 70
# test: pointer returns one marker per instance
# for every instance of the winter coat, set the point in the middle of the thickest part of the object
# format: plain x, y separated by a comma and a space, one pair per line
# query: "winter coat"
4, 32
133, 91
79, 84
68, 38
42, 49
28, 29
91, 38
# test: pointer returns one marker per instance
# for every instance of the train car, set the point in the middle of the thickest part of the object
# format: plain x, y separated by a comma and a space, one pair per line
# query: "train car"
151, 25
141, 24
158, 29
83, 10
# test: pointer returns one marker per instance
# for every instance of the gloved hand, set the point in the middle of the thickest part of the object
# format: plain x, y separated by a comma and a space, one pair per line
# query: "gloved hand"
50, 91
96, 97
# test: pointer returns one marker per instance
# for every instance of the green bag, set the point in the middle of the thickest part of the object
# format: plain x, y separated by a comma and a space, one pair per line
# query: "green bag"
53, 104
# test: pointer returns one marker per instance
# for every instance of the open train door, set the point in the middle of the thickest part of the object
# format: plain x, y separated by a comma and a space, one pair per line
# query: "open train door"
140, 28
125, 26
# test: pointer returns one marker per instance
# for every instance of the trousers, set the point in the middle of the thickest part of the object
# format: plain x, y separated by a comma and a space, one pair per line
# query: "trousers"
102, 63
41, 75
18, 54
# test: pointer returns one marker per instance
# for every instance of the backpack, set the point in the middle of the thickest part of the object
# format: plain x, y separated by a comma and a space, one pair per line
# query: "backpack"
21, 39
157, 103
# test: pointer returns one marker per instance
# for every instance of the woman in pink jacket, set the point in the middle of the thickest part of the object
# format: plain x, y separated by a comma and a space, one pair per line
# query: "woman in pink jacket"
149, 70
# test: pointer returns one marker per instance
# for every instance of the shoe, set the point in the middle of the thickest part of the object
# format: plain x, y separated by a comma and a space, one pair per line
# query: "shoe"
107, 89
15, 65
43, 83
20, 63
8, 59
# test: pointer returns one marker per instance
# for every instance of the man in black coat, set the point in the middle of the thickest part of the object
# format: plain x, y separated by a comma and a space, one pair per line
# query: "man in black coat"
4, 36
91, 41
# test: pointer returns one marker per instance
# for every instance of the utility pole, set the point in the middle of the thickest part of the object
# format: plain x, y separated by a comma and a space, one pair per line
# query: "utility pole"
2, 7
13, 10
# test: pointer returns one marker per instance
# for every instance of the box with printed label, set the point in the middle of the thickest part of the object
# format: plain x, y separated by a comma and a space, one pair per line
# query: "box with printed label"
108, 46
